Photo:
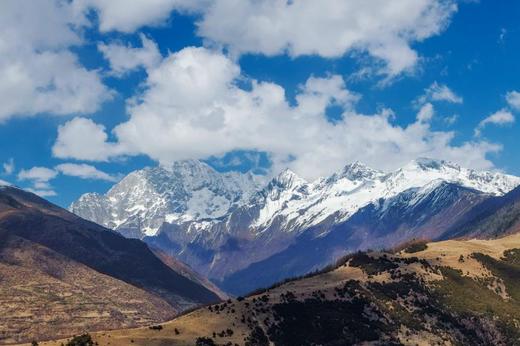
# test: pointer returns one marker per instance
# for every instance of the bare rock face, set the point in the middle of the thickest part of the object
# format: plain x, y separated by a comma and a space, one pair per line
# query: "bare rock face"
190, 190
230, 227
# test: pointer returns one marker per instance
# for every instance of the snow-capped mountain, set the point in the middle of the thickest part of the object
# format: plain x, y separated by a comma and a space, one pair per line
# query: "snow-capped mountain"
190, 190
225, 224
302, 205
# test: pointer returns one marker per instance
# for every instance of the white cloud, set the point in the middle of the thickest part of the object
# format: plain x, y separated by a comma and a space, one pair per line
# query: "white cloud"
82, 139
439, 92
452, 119
500, 118
3, 182
513, 99
84, 171
425, 113
193, 107
42, 192
128, 16
8, 166
124, 59
38, 174
39, 73
330, 28
40, 178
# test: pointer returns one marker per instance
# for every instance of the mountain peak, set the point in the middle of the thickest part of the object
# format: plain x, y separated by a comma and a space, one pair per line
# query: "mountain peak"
358, 170
287, 178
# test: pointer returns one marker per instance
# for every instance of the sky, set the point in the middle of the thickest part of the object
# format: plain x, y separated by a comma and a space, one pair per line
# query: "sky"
92, 90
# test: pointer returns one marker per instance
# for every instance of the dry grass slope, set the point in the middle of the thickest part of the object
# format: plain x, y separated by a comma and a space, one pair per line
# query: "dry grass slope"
44, 295
451, 292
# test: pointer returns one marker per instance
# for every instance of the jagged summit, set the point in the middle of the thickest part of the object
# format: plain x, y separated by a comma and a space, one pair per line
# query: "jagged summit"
357, 171
191, 191
288, 179
187, 190
423, 170
221, 224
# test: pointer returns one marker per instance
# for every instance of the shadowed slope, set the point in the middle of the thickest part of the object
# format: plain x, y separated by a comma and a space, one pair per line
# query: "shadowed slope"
44, 294
32, 218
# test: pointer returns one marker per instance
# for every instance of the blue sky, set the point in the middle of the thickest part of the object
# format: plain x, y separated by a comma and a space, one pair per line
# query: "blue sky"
131, 87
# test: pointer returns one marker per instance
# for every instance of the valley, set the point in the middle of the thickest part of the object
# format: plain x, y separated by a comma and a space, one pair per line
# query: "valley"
411, 268
449, 292
243, 234
259, 173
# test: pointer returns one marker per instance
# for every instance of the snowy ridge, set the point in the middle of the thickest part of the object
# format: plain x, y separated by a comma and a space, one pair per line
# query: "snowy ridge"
342, 194
193, 194
145, 199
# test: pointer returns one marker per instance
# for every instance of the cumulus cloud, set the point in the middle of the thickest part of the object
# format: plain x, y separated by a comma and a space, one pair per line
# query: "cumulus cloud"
513, 100
501, 118
331, 28
123, 58
128, 16
8, 166
439, 92
40, 174
40, 178
84, 171
82, 139
425, 113
194, 107
39, 73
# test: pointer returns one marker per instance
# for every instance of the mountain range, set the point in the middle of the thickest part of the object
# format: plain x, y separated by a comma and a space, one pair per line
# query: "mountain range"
243, 232
61, 275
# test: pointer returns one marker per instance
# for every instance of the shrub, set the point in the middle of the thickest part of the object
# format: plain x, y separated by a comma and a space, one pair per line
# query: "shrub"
203, 341
416, 247
82, 340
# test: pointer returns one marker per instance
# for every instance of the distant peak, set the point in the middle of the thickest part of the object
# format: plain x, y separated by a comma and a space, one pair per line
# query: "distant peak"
288, 178
356, 171
356, 166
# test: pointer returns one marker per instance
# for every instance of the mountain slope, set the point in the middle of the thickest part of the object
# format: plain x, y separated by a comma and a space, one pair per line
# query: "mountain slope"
451, 292
32, 218
44, 294
355, 208
143, 200
492, 218
415, 214
189, 273
44, 243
